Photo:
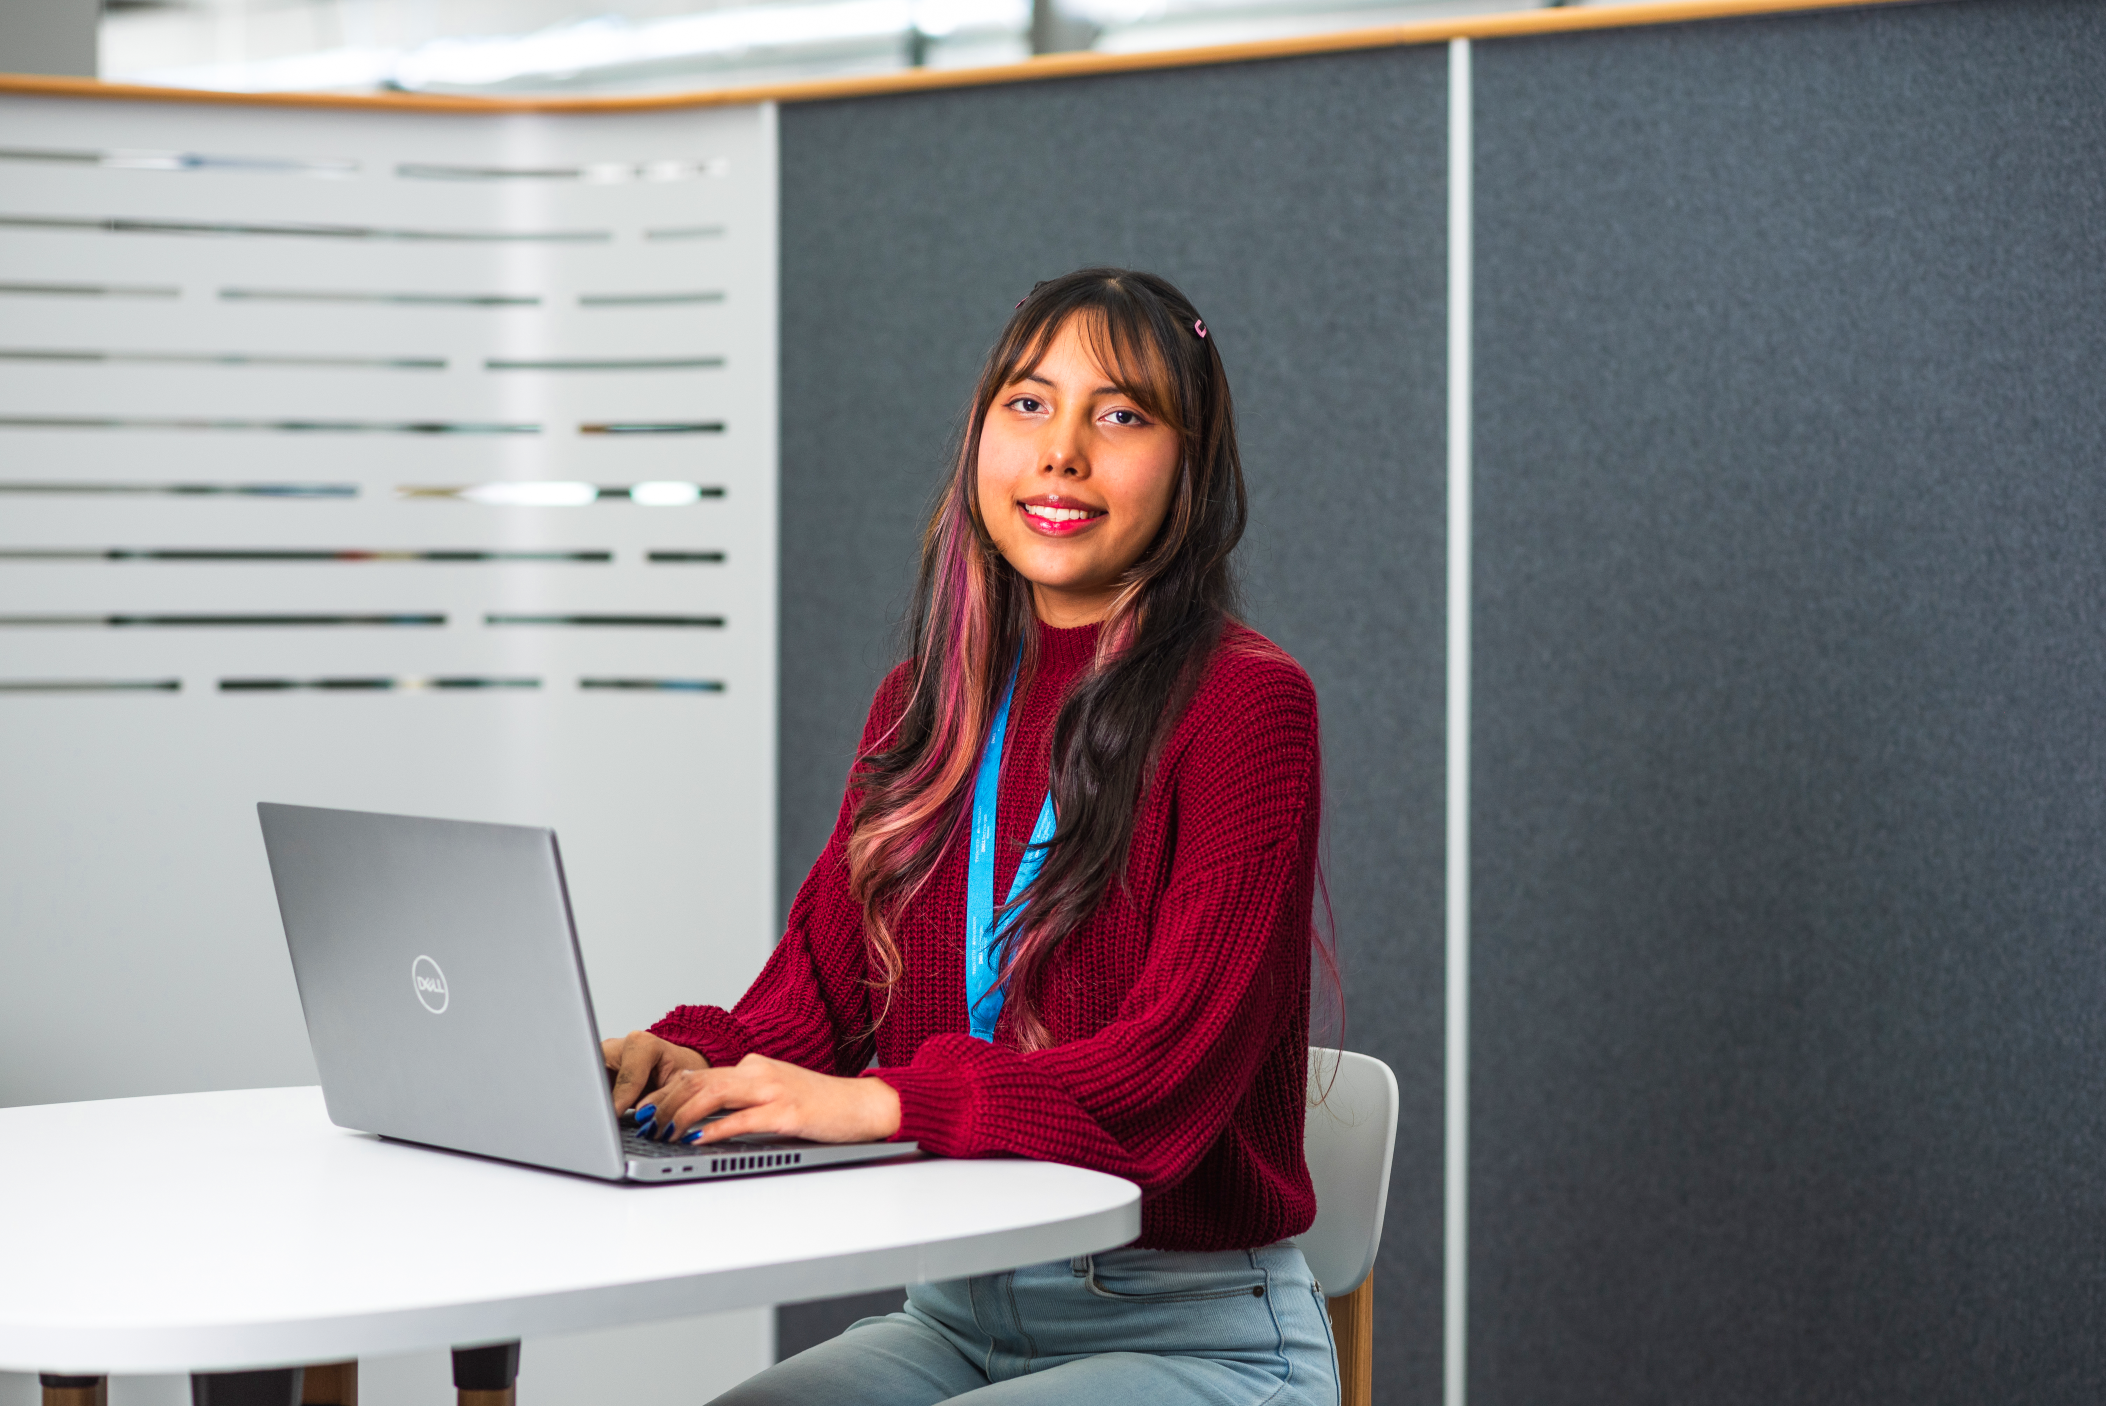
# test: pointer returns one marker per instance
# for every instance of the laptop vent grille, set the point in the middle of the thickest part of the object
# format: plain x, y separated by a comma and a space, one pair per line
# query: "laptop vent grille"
759, 1161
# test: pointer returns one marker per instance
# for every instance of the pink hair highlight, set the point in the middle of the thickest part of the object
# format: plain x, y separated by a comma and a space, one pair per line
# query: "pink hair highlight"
894, 848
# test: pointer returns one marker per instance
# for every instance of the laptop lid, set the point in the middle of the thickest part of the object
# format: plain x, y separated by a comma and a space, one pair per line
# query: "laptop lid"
445, 999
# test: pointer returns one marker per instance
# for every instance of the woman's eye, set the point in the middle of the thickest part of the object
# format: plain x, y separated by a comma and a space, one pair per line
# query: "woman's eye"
1124, 417
1029, 405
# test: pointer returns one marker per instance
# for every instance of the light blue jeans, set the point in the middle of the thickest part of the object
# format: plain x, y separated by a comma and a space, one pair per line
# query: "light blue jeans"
1151, 1327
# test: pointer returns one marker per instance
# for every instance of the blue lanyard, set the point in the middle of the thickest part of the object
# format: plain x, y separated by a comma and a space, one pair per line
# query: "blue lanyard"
983, 954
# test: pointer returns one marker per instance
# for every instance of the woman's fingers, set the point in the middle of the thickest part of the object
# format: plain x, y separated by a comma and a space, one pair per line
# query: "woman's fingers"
665, 1104
767, 1096
633, 1068
758, 1095
745, 1120
645, 1065
699, 1093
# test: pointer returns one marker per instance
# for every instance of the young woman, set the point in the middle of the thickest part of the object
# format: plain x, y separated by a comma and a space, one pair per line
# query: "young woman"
1084, 727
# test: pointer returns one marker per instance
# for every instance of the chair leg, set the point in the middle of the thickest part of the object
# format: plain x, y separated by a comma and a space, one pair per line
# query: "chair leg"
330, 1384
274, 1386
487, 1376
74, 1391
1353, 1329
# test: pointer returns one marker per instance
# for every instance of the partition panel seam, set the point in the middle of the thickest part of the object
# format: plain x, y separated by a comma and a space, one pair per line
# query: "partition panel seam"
1455, 1246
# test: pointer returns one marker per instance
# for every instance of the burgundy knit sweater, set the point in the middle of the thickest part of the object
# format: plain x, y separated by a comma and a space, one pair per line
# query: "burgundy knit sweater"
1179, 1011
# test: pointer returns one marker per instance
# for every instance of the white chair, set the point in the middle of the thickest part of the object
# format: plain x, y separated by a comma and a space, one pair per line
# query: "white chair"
1348, 1139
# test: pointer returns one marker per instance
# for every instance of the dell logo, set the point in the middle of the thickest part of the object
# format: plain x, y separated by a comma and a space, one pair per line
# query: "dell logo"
430, 984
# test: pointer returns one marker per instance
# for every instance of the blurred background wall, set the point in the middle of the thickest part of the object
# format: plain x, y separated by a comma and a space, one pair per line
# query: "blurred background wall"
1786, 668
50, 36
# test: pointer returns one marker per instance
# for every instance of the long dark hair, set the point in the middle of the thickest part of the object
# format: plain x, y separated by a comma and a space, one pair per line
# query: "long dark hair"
972, 615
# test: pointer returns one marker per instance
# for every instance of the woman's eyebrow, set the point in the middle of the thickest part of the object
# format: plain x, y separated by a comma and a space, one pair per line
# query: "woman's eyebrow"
1033, 376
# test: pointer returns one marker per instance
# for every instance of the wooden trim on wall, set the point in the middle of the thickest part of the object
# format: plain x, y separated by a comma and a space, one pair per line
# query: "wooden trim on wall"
1561, 20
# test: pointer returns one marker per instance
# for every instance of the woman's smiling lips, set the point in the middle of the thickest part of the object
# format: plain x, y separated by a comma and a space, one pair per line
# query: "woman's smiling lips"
1051, 515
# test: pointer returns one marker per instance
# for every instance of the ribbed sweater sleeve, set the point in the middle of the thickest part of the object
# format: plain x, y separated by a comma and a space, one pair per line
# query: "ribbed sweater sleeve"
1148, 1094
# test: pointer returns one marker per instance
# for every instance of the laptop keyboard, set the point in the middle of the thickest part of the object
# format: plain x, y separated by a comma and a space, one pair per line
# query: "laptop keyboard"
749, 1148
636, 1146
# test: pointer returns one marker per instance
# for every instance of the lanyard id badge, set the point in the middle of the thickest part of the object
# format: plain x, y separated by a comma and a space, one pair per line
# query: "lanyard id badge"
983, 950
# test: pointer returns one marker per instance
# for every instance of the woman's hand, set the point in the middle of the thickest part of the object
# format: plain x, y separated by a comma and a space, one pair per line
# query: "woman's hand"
641, 1061
769, 1096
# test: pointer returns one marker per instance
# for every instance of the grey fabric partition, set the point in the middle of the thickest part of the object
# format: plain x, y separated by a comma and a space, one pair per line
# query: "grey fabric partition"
1302, 205
1790, 727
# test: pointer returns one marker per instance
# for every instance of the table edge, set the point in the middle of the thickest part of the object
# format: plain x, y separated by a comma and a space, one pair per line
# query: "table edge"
102, 1350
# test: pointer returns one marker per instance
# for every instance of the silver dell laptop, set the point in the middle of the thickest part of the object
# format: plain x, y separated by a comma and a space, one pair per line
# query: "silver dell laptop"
439, 970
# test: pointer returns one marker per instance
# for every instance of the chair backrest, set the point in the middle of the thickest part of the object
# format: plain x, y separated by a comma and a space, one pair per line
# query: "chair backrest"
1348, 1141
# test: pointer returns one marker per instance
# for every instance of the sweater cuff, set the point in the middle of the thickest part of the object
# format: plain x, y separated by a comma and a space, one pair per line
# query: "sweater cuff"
709, 1031
928, 1105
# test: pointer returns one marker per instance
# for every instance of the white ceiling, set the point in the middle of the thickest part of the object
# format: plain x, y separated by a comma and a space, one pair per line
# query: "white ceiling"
661, 45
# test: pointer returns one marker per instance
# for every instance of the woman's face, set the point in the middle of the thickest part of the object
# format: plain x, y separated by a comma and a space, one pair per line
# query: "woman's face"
1074, 480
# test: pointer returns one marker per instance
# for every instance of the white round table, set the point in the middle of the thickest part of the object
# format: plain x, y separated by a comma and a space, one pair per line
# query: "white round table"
229, 1231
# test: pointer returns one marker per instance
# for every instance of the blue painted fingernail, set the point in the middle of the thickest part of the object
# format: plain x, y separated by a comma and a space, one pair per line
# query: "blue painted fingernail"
695, 1136
646, 1113
644, 1129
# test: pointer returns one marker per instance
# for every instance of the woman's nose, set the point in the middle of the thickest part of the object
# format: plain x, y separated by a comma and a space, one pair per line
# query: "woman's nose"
1064, 456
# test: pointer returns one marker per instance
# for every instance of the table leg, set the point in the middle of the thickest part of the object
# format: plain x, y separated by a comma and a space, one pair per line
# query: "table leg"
273, 1386
330, 1384
74, 1391
487, 1375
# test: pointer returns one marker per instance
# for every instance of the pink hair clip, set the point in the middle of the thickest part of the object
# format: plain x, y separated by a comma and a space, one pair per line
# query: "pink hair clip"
1200, 327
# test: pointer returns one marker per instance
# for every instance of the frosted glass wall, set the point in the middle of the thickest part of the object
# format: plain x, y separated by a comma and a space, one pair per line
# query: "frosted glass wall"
401, 461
